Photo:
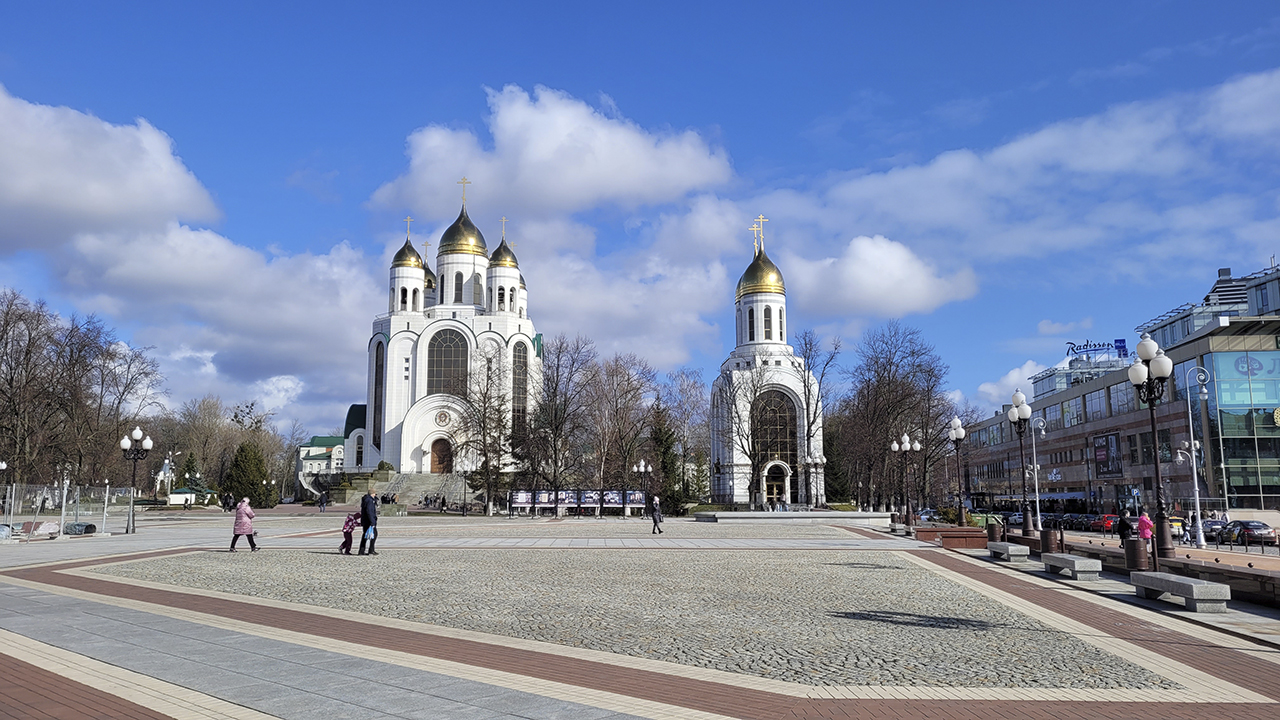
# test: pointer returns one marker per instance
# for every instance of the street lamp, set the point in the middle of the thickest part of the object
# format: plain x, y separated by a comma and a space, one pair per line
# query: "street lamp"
640, 469
905, 445
1149, 373
135, 454
956, 434
1202, 377
8, 501
1019, 416
1037, 427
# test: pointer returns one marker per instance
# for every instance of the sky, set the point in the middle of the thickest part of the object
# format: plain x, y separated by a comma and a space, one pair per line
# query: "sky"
226, 183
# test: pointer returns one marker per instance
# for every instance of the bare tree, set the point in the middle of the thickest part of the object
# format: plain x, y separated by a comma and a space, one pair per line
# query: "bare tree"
819, 364
555, 447
484, 424
741, 416
621, 389
686, 396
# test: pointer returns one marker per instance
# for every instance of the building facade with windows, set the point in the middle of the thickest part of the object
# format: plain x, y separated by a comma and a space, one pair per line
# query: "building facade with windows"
764, 404
321, 455
1098, 451
438, 330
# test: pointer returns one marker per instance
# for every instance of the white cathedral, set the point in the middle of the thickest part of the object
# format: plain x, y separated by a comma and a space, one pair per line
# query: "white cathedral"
438, 325
759, 402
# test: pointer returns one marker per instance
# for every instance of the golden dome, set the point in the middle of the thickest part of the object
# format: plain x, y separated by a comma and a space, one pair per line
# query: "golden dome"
503, 256
407, 257
463, 237
762, 276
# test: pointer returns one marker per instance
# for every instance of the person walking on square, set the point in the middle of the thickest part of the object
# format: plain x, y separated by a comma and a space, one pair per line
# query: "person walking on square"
244, 525
323, 500
1144, 527
368, 523
657, 516
348, 527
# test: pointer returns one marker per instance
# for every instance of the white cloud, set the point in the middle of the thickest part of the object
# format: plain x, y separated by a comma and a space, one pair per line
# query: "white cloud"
63, 172
873, 276
1049, 327
996, 393
552, 154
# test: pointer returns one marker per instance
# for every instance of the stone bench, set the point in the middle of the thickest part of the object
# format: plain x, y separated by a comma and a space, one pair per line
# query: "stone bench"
1201, 595
1008, 551
1080, 568
898, 528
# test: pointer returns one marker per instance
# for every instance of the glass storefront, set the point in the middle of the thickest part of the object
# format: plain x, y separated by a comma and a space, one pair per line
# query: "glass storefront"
1243, 425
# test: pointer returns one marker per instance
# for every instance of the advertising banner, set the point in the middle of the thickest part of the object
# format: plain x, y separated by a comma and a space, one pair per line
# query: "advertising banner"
590, 497
613, 498
521, 497
1106, 455
635, 497
568, 497
544, 497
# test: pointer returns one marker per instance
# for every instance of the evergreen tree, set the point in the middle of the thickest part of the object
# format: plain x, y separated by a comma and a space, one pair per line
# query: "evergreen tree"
189, 475
247, 477
663, 437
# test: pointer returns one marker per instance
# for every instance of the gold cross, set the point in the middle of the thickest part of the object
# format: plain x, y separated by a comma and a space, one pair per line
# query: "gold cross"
761, 220
407, 224
504, 227
755, 234
464, 182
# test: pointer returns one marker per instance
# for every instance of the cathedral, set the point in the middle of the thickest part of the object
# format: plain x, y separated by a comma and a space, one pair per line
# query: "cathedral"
437, 327
766, 415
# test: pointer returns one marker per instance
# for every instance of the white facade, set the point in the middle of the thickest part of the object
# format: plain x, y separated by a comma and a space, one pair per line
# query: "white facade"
421, 351
764, 369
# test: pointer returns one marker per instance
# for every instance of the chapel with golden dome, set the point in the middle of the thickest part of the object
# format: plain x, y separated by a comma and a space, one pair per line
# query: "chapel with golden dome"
441, 328
766, 435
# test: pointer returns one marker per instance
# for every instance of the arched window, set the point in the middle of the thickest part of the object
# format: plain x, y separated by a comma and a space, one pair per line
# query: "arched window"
502, 298
491, 299
519, 388
773, 427
521, 312
751, 324
477, 290
404, 298
391, 299
447, 363
782, 332
511, 295
768, 323
415, 299
738, 327
457, 288
379, 384
359, 450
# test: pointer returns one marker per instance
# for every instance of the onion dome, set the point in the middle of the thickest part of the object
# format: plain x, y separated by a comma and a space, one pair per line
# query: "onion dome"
463, 237
522, 287
762, 276
503, 256
430, 282
407, 257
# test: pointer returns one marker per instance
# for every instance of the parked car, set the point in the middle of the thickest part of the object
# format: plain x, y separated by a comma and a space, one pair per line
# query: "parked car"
1256, 531
1013, 519
1176, 524
1104, 523
1084, 522
1211, 528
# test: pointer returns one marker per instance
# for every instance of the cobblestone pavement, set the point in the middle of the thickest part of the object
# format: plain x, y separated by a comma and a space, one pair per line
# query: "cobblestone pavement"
817, 618
610, 527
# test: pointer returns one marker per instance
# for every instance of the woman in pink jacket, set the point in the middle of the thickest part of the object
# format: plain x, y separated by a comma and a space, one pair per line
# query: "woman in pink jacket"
1145, 526
244, 525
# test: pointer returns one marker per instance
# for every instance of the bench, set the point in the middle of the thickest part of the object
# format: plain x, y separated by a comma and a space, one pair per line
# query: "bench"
1080, 568
898, 528
1008, 551
1201, 595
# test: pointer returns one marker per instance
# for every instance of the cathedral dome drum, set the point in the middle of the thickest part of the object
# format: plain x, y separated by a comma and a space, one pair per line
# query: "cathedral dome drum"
463, 237
407, 257
761, 276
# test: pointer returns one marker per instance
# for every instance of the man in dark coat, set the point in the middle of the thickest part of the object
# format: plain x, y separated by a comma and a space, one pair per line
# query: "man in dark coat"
368, 523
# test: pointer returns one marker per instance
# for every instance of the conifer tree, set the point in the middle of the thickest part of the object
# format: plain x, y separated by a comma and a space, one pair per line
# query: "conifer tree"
247, 477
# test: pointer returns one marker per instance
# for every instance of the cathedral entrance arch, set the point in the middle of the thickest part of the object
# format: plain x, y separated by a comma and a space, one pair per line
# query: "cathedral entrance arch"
775, 484
441, 456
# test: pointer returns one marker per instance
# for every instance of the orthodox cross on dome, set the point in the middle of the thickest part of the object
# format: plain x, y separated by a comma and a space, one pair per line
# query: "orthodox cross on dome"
464, 182
761, 220
504, 227
755, 237
408, 221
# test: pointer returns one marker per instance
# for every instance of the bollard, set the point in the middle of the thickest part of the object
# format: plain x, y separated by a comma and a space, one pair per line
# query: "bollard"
1049, 541
993, 532
1135, 554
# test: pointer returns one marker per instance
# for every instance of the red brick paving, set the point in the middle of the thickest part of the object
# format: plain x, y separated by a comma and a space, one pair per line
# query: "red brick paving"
28, 692
735, 701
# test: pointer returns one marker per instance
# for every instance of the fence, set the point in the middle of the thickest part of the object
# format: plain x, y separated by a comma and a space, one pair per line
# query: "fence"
38, 504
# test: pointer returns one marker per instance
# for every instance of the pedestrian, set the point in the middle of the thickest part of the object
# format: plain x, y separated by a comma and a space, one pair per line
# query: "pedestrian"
657, 516
368, 523
1144, 527
348, 527
322, 500
1125, 529
244, 525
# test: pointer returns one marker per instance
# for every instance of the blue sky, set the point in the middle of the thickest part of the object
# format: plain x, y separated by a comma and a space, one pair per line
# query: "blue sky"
226, 184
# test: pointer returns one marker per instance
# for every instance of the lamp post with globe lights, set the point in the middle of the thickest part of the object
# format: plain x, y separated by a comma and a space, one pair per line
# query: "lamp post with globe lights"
1020, 416
956, 434
1149, 373
8, 501
1037, 428
127, 446
645, 472
1202, 378
903, 446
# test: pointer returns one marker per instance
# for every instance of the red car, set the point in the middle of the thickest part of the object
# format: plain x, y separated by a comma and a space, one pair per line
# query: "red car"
1104, 523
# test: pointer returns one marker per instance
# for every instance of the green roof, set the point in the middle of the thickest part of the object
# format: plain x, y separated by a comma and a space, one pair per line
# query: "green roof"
324, 441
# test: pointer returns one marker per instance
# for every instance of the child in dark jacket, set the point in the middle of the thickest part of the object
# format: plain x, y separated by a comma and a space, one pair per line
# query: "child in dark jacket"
348, 527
